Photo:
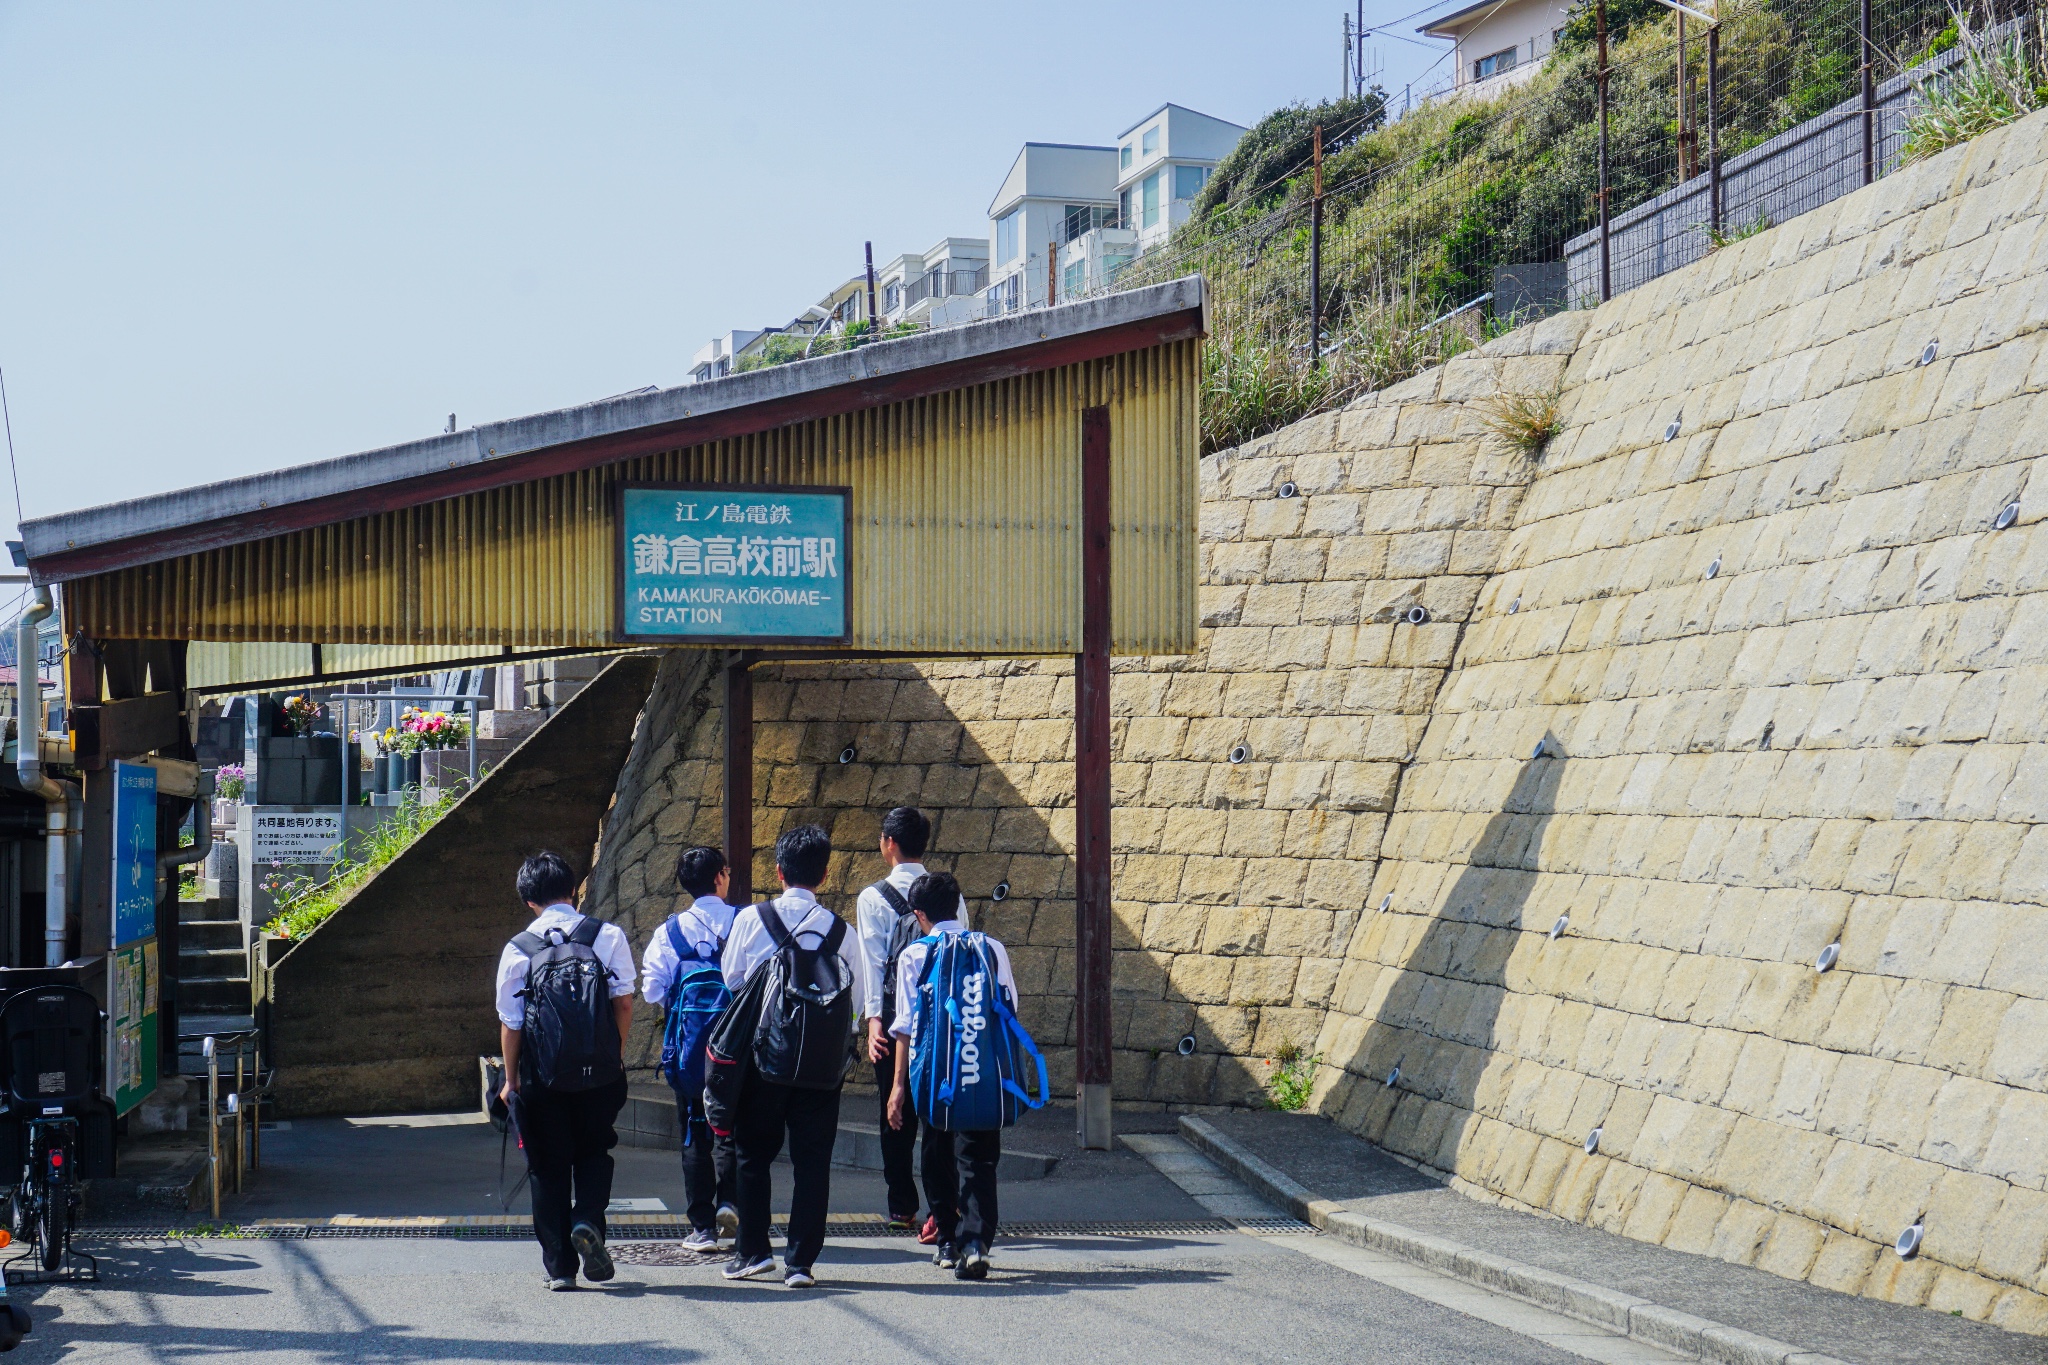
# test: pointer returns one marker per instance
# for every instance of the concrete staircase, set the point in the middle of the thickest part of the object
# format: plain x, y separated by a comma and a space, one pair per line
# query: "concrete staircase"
213, 979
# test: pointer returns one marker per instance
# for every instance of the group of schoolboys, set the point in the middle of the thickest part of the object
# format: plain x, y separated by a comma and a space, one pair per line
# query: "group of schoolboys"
567, 1133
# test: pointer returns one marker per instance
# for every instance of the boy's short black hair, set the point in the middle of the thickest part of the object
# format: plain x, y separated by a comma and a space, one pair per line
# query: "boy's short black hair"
936, 896
911, 830
546, 879
697, 870
802, 854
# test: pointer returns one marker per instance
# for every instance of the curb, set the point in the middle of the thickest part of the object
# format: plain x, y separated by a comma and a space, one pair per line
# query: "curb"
1635, 1317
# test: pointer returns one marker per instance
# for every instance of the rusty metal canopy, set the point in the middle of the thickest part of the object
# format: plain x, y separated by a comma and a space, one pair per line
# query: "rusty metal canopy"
961, 448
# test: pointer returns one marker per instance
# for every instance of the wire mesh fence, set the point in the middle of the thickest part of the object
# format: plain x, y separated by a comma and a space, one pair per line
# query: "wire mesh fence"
1470, 215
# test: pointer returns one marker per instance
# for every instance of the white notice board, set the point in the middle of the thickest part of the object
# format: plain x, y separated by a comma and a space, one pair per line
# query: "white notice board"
282, 836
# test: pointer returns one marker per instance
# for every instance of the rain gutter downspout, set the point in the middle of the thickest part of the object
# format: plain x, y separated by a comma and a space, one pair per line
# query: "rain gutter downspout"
28, 767
202, 829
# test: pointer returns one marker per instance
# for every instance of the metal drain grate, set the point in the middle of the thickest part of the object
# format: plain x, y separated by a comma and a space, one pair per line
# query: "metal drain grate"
655, 1234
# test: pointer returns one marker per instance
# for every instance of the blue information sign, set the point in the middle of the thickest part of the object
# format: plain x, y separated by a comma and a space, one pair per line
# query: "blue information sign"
715, 565
134, 852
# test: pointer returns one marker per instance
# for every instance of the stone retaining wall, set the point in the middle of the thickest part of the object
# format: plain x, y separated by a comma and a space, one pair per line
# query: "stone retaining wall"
1788, 684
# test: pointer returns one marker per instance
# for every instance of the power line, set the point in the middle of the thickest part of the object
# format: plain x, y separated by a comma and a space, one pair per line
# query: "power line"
12, 468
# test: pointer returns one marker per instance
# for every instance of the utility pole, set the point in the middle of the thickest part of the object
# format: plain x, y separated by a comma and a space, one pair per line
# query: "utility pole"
1315, 260
1344, 86
874, 317
1360, 30
1052, 273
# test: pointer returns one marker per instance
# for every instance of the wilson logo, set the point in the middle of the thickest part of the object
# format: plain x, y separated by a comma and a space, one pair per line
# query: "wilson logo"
972, 1022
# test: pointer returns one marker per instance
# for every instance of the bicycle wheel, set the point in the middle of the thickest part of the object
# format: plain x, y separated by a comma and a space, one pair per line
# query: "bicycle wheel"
53, 1227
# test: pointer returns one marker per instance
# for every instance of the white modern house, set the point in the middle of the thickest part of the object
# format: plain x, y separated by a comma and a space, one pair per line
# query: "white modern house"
715, 358
941, 287
1498, 44
1163, 160
1054, 193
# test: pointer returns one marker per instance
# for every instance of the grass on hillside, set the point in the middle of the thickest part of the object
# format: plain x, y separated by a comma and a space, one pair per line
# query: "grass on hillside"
1419, 212
1997, 80
304, 903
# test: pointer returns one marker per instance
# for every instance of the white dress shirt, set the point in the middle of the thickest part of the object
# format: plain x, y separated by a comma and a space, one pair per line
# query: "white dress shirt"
807, 921
706, 924
876, 919
910, 967
611, 949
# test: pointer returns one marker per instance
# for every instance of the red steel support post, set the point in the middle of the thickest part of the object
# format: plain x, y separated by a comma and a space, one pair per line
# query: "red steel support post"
738, 703
1092, 794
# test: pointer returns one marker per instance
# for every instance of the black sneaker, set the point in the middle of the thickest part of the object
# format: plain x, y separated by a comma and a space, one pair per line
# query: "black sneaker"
942, 1256
561, 1283
799, 1277
589, 1244
701, 1239
745, 1267
973, 1263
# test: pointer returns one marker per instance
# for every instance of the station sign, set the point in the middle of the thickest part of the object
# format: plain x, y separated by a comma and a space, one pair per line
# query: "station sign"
722, 564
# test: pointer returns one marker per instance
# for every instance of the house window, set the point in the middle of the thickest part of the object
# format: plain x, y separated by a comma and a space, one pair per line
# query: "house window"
1149, 141
1124, 158
1002, 296
1493, 64
1006, 236
1074, 279
892, 297
1149, 196
1082, 218
1123, 208
1113, 266
1188, 181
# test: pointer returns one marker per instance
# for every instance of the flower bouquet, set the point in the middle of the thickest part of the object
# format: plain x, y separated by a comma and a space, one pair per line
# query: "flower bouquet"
301, 713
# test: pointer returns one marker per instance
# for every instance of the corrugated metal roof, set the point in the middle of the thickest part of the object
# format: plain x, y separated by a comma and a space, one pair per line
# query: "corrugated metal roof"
498, 454
964, 534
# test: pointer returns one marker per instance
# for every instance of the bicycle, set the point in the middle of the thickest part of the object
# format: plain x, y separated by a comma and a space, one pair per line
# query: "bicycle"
44, 1206
51, 1037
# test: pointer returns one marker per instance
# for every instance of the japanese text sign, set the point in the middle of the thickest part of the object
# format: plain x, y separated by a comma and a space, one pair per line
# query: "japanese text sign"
733, 564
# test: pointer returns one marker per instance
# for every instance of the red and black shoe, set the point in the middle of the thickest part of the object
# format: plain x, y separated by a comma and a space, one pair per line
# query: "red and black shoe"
928, 1235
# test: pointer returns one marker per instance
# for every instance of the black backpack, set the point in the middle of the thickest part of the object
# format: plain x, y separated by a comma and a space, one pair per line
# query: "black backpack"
804, 1035
571, 1037
901, 935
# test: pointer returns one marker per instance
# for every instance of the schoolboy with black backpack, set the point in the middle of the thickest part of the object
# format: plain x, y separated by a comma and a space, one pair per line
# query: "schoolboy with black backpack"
681, 975
886, 926
962, 1065
778, 1056
565, 1003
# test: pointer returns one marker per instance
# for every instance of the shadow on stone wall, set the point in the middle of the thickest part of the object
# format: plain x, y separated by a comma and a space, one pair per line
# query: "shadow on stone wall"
1433, 992
986, 749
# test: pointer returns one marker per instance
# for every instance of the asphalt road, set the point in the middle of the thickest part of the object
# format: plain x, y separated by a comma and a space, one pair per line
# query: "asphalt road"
1180, 1299
1225, 1298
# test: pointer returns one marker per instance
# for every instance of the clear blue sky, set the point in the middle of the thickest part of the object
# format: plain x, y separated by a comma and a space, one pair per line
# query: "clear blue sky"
238, 237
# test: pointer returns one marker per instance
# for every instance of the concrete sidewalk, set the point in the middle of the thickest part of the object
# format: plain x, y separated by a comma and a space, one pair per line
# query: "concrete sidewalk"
1296, 1160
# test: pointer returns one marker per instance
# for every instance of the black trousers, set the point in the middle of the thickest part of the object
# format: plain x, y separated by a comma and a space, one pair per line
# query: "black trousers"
568, 1138
810, 1119
960, 1180
710, 1168
897, 1144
